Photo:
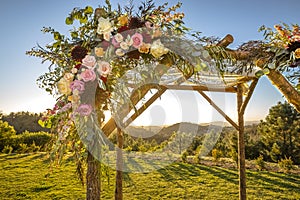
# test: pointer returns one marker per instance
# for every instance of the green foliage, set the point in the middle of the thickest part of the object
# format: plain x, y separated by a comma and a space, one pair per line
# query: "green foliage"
275, 153
286, 164
27, 142
24, 121
280, 133
23, 148
7, 149
260, 163
6, 130
184, 156
216, 154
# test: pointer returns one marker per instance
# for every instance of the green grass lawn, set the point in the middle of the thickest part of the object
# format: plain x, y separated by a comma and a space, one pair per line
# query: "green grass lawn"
29, 177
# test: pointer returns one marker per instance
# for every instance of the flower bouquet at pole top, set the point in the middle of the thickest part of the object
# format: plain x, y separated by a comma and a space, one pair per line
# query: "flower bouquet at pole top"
285, 43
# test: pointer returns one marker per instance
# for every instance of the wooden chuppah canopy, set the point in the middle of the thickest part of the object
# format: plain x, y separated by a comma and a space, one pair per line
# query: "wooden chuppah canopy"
235, 84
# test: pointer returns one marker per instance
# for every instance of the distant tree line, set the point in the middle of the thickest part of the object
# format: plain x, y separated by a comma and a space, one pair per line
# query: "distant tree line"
27, 137
24, 121
273, 139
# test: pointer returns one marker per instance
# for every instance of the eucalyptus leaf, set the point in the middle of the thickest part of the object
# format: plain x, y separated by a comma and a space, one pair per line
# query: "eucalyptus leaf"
69, 21
101, 84
83, 20
272, 65
266, 71
88, 10
57, 36
259, 74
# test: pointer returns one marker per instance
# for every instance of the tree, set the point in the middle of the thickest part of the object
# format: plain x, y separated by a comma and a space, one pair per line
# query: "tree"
24, 121
6, 130
280, 133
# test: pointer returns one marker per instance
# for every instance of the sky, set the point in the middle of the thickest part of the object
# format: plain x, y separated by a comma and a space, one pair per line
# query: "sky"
22, 20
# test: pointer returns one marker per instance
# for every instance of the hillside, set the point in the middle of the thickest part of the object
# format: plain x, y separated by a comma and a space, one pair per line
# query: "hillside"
160, 134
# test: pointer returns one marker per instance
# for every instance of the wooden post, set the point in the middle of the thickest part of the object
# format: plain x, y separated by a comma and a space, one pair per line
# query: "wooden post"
119, 163
241, 145
92, 178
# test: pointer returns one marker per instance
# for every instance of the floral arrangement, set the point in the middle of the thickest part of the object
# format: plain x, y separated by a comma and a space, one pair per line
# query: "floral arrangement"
286, 42
106, 45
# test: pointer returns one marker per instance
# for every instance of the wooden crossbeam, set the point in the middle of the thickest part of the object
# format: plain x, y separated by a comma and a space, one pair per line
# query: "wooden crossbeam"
139, 111
136, 96
218, 109
201, 88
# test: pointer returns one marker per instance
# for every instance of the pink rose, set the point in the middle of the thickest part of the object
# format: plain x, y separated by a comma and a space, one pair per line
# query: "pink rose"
89, 61
77, 85
65, 108
84, 109
88, 75
137, 39
103, 68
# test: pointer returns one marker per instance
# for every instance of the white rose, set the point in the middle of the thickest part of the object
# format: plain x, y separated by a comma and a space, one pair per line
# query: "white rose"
63, 86
119, 37
106, 36
124, 45
103, 68
104, 26
120, 52
158, 49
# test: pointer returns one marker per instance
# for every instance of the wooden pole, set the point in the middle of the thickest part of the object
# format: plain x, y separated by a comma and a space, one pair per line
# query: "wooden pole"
119, 163
92, 178
241, 145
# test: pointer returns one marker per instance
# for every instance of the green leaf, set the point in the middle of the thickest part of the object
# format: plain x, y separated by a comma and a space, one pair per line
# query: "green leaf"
74, 34
69, 21
88, 10
41, 123
259, 73
266, 71
83, 20
56, 44
57, 36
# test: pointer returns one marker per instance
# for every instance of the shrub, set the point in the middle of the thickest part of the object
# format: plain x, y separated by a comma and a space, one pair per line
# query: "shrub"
34, 141
234, 156
33, 147
286, 164
39, 138
184, 156
7, 149
260, 163
23, 148
216, 154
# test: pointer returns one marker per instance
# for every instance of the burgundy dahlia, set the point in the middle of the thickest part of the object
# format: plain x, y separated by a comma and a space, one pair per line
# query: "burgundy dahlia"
78, 52
293, 46
135, 22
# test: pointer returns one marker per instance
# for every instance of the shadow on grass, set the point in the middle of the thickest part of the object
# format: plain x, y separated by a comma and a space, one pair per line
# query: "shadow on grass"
288, 177
186, 171
12, 156
279, 181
